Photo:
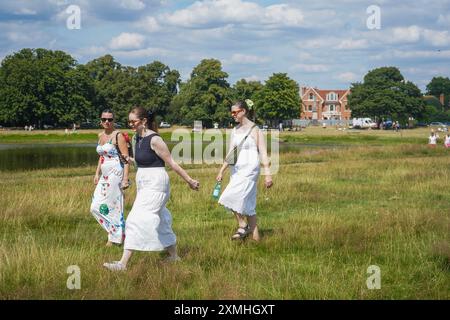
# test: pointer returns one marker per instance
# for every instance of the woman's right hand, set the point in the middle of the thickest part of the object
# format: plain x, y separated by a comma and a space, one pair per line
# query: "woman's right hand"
219, 177
96, 178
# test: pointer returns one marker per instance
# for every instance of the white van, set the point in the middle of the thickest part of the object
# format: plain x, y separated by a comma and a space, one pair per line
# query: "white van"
363, 123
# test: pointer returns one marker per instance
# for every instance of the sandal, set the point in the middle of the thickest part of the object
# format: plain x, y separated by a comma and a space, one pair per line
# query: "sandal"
241, 233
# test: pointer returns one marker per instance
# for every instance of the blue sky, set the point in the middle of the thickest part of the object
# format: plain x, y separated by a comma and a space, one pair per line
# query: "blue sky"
326, 44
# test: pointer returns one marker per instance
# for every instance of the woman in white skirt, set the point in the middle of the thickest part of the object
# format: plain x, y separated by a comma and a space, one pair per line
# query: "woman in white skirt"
149, 225
240, 195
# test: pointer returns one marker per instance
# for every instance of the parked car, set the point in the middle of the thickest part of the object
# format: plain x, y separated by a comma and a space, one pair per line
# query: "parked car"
363, 123
89, 125
439, 125
164, 125
48, 126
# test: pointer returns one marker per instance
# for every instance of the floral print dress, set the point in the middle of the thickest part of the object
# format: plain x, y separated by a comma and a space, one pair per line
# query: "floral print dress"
108, 201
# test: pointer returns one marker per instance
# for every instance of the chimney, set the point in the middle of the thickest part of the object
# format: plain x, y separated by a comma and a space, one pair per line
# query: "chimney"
441, 99
302, 91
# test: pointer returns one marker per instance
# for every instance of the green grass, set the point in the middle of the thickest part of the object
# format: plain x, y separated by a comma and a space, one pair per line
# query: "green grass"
330, 215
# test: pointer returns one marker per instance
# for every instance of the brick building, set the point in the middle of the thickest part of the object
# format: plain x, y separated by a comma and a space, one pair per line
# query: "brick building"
324, 104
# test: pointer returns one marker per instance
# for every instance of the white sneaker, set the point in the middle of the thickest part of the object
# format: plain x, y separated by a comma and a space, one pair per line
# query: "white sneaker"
114, 266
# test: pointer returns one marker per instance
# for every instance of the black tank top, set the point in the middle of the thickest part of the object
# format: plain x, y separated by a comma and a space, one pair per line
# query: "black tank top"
145, 156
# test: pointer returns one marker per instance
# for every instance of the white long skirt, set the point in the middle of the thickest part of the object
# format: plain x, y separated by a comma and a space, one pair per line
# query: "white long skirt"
240, 194
149, 225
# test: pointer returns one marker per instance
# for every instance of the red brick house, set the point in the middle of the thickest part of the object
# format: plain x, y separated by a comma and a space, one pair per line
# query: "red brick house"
324, 104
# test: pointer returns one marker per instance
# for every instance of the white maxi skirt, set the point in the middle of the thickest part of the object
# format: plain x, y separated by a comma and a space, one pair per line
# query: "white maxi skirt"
149, 225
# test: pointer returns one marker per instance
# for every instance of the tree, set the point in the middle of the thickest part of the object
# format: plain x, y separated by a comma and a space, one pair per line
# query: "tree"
279, 99
385, 94
244, 89
206, 96
438, 86
120, 88
39, 86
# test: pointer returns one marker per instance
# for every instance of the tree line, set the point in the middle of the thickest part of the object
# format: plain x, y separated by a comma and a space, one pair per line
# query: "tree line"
40, 86
44, 87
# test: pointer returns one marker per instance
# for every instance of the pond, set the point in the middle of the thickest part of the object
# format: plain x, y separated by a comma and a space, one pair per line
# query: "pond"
45, 156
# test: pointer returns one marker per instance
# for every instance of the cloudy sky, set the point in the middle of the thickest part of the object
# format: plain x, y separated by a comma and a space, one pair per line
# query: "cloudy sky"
327, 44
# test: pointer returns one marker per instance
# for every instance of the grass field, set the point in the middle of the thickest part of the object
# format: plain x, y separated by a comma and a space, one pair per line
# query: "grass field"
330, 215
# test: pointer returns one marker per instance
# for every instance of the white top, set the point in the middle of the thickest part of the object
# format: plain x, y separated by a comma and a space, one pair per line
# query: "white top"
447, 139
432, 139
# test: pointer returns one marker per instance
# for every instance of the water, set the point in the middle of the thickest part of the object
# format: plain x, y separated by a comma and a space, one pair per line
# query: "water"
45, 156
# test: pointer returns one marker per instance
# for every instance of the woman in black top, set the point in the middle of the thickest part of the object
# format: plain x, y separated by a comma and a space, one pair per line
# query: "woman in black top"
149, 225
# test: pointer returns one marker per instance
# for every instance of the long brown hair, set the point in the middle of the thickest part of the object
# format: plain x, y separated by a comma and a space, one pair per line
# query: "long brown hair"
142, 114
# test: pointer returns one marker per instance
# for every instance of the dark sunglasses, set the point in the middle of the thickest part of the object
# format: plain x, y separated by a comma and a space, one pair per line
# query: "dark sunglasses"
107, 119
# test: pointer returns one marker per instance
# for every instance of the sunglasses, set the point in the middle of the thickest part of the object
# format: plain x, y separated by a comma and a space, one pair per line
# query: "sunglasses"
233, 113
107, 119
133, 121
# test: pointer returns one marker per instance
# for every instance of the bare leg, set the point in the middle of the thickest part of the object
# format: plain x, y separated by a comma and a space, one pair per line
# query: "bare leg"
243, 227
125, 257
240, 220
109, 244
253, 227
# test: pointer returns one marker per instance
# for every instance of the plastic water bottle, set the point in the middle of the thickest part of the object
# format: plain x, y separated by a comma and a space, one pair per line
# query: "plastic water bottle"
216, 191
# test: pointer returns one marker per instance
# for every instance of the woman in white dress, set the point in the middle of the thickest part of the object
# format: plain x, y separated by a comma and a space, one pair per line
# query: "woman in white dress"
432, 139
111, 177
240, 194
149, 224
447, 140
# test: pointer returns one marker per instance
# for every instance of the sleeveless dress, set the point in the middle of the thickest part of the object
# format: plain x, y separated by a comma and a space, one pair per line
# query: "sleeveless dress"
240, 194
108, 203
149, 224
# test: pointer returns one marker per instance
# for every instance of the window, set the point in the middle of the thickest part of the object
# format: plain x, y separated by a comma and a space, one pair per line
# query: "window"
332, 108
332, 96
311, 96
310, 108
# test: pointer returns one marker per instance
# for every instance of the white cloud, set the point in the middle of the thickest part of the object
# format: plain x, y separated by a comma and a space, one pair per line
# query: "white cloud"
283, 15
252, 78
149, 24
132, 4
414, 34
436, 38
311, 67
408, 34
239, 58
304, 56
412, 54
92, 51
349, 44
142, 53
26, 12
347, 77
444, 20
210, 12
126, 41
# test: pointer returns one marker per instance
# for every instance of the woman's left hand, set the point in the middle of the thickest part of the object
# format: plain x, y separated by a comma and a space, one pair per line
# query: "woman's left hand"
194, 184
268, 182
125, 184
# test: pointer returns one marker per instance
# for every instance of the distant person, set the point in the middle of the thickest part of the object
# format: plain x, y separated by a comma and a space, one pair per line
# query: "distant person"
111, 178
447, 140
240, 195
26, 128
280, 126
432, 139
149, 224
